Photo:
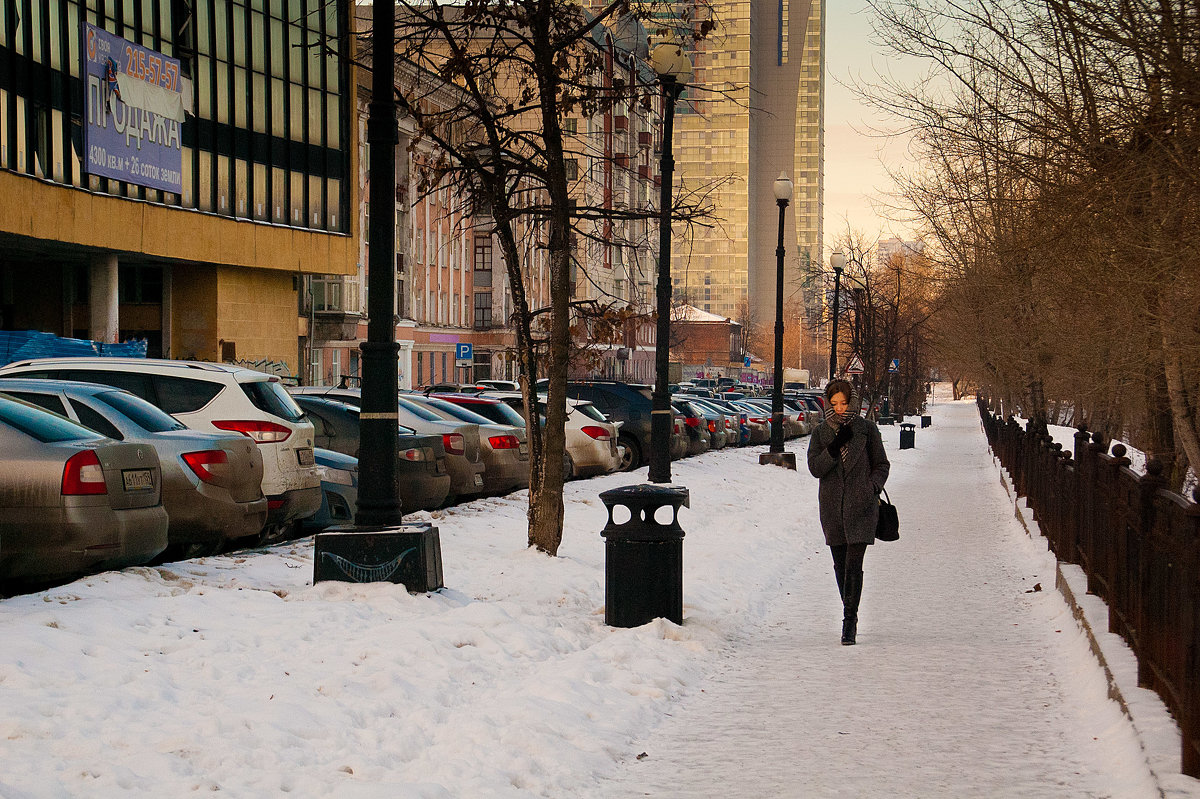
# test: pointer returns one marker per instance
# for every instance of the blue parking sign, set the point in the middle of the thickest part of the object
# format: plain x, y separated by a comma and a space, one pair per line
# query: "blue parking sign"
464, 354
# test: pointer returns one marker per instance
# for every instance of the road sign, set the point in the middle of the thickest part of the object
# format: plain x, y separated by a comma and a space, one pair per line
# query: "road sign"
895, 366
746, 361
855, 367
464, 354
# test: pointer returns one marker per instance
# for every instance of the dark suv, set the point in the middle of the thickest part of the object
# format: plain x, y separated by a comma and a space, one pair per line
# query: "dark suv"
622, 402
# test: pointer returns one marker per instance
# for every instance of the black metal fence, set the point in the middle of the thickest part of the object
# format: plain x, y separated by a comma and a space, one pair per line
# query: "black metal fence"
1138, 543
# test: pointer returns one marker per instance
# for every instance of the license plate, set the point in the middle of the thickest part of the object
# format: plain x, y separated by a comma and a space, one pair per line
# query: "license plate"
137, 479
479, 479
439, 466
305, 456
523, 449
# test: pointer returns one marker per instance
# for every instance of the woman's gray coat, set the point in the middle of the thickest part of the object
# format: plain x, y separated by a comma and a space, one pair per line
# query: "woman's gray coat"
849, 491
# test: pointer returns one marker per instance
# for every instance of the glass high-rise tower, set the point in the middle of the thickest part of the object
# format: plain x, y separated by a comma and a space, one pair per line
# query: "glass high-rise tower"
754, 110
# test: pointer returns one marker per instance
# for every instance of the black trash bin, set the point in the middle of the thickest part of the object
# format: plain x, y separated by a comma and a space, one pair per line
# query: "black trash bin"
908, 435
643, 559
926, 420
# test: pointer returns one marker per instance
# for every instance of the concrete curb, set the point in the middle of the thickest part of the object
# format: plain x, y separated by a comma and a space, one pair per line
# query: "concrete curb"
1156, 730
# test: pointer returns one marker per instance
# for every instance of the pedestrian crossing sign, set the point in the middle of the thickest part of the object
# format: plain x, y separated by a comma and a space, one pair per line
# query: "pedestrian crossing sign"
895, 366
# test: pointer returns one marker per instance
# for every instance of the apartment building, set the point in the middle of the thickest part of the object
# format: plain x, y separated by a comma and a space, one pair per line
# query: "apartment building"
172, 169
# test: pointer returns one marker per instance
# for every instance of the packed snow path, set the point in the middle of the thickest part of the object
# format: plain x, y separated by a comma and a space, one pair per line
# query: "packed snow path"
970, 678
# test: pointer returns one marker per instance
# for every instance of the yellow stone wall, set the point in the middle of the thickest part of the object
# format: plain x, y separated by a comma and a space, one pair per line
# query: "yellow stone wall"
194, 313
257, 309
34, 208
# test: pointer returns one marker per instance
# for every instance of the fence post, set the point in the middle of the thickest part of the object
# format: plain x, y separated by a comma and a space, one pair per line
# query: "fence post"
1148, 485
1190, 619
1114, 546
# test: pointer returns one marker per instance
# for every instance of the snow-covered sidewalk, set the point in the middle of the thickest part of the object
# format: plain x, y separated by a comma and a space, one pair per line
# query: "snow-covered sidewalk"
970, 678
236, 675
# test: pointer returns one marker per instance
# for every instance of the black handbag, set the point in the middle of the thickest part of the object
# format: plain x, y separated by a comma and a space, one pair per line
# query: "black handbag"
888, 526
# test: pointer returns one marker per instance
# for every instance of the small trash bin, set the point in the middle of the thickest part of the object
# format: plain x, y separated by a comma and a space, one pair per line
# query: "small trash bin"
926, 420
643, 556
908, 435
886, 420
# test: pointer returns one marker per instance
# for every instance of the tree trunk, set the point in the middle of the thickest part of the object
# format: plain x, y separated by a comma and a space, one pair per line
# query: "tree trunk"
1183, 416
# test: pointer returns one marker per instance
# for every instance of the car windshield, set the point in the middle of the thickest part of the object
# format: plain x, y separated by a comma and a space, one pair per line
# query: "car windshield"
140, 412
268, 396
42, 425
458, 411
589, 410
420, 411
498, 412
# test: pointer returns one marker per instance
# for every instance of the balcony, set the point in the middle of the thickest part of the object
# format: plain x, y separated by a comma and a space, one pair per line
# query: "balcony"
336, 307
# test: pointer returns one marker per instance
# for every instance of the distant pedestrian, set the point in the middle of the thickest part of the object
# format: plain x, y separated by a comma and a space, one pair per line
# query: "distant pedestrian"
846, 454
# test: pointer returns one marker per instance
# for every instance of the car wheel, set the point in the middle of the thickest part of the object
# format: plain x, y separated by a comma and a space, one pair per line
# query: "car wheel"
568, 467
631, 454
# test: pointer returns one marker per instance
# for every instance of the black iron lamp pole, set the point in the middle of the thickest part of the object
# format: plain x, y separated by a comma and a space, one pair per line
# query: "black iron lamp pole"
674, 69
378, 489
783, 195
838, 262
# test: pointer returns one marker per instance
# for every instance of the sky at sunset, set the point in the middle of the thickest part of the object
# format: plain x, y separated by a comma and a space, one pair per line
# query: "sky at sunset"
856, 181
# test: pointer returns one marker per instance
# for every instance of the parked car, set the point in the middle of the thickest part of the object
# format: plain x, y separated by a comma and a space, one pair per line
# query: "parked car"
758, 419
793, 417
71, 500
339, 491
503, 447
499, 385
459, 439
211, 482
695, 425
215, 397
424, 481
590, 438
736, 419
628, 403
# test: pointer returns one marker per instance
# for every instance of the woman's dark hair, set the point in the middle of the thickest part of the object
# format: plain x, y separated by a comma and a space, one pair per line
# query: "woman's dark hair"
839, 387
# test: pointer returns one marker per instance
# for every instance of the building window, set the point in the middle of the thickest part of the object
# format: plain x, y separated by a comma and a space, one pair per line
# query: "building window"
483, 310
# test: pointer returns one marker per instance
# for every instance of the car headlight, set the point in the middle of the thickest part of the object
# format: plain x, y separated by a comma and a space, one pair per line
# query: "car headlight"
342, 477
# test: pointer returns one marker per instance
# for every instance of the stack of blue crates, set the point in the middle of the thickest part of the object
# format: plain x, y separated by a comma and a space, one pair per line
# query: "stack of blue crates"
17, 345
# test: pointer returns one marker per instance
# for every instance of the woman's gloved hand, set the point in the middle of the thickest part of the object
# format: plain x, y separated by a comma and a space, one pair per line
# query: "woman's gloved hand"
840, 438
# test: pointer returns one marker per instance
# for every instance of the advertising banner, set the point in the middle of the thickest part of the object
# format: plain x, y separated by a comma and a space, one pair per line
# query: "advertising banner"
134, 111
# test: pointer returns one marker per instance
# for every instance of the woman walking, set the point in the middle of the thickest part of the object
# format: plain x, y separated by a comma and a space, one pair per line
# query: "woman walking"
846, 455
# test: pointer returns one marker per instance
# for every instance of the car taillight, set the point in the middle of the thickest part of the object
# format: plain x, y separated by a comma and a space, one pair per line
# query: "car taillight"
414, 454
82, 475
261, 432
210, 465
712, 425
692, 421
598, 433
454, 443
504, 442
677, 429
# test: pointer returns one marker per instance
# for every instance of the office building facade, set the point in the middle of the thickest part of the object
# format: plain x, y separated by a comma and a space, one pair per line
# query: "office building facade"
170, 169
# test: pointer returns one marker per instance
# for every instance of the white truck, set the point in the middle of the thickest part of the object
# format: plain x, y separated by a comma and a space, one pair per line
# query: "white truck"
795, 379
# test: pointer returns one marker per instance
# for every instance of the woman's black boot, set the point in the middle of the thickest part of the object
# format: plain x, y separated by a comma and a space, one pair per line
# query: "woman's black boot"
850, 597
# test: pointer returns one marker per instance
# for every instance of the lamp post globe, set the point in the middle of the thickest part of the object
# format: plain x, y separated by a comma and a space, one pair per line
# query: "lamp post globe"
674, 69
838, 261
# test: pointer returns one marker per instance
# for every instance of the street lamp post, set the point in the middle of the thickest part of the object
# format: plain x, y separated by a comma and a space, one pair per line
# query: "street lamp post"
783, 194
838, 262
377, 545
673, 69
